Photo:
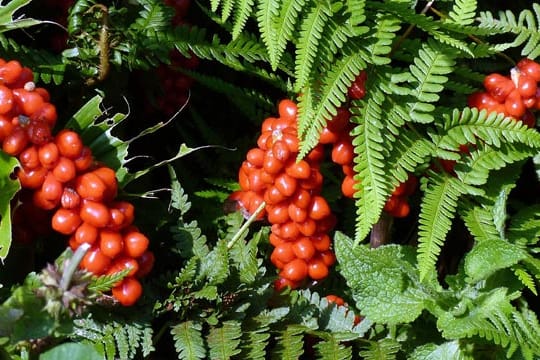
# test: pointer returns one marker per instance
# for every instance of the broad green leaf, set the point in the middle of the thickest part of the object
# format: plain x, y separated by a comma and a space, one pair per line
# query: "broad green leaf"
489, 256
383, 280
448, 350
70, 351
8, 189
7, 22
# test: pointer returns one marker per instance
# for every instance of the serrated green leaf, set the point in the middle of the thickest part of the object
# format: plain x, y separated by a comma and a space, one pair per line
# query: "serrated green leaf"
448, 350
381, 280
223, 341
8, 188
489, 256
188, 340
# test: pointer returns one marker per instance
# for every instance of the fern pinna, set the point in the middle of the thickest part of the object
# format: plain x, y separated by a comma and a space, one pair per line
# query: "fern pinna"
421, 66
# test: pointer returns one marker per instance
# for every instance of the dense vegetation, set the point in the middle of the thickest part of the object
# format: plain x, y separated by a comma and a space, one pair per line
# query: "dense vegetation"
260, 179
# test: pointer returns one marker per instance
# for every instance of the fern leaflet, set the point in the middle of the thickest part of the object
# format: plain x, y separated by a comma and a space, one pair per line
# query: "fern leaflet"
223, 341
331, 97
369, 167
188, 340
429, 70
311, 31
437, 210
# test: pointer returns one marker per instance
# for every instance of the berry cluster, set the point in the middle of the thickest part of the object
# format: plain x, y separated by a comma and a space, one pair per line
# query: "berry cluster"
397, 204
515, 96
59, 177
291, 190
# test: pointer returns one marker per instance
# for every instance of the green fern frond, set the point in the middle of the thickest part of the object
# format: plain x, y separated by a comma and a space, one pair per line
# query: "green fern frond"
409, 150
191, 38
311, 30
331, 348
332, 95
214, 4
429, 69
470, 125
242, 11
403, 11
477, 166
179, 199
215, 265
479, 222
154, 16
223, 341
284, 29
188, 340
254, 343
356, 9
463, 12
117, 340
267, 13
384, 349
436, 212
290, 343
384, 31
492, 316
526, 27
335, 43
526, 279
524, 226
227, 7
369, 166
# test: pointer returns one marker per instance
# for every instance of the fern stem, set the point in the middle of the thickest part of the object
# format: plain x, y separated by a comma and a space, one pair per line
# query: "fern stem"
380, 233
72, 265
474, 38
409, 29
244, 227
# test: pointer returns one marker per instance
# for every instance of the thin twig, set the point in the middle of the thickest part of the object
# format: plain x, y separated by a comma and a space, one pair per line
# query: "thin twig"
244, 227
409, 29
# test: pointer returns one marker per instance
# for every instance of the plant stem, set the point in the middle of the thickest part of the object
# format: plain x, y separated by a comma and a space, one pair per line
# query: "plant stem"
380, 233
244, 227
474, 38
72, 265
409, 29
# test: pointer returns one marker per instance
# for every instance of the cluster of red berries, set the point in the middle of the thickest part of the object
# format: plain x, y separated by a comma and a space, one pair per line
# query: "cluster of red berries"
175, 85
291, 191
60, 177
515, 96
397, 205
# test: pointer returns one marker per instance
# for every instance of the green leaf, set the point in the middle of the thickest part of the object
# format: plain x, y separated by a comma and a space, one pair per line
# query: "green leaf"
447, 350
8, 11
188, 340
8, 188
311, 31
70, 351
436, 214
489, 256
382, 280
223, 341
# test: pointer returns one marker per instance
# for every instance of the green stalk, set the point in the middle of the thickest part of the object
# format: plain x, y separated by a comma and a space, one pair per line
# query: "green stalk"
246, 225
